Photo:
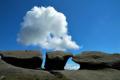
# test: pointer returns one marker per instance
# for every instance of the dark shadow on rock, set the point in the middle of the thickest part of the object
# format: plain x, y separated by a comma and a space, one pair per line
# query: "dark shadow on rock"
30, 63
116, 65
92, 66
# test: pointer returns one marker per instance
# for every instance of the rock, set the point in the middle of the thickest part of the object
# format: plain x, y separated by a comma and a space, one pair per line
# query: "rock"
56, 60
2, 77
10, 72
97, 60
31, 59
103, 74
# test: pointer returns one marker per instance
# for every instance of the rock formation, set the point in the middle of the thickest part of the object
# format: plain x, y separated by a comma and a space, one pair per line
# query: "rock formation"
97, 60
56, 60
31, 59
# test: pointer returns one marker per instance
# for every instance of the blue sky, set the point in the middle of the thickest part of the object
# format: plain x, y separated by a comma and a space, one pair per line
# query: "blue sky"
94, 24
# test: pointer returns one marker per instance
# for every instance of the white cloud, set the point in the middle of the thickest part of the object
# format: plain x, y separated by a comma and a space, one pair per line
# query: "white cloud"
47, 28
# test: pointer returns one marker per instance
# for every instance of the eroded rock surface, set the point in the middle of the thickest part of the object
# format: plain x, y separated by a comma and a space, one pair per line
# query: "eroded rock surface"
97, 60
56, 60
31, 59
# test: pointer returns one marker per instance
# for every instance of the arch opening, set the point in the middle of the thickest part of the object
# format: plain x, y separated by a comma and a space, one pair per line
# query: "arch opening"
0, 57
71, 65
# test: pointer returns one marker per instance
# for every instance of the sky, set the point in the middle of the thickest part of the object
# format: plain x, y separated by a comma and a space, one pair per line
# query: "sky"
94, 25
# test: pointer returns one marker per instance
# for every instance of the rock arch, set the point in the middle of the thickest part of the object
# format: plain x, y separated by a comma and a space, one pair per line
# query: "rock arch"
56, 60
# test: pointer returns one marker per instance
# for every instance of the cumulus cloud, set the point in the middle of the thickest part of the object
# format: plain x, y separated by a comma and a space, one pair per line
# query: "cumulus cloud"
47, 28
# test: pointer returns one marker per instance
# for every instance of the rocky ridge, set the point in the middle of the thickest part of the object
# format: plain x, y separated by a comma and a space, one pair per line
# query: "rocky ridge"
93, 66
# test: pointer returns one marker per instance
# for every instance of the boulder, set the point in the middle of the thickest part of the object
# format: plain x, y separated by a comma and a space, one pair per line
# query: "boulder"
97, 60
56, 60
31, 59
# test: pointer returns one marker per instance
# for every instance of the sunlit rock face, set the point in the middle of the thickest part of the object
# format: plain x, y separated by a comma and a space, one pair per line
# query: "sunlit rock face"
31, 59
56, 60
97, 60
